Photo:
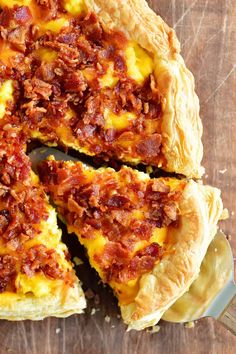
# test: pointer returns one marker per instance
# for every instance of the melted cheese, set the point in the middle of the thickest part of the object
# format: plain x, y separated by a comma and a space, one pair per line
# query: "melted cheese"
39, 285
109, 79
11, 3
75, 7
54, 25
139, 64
126, 292
117, 121
46, 55
6, 94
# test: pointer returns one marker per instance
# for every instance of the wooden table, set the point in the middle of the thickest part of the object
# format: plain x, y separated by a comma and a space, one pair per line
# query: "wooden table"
207, 31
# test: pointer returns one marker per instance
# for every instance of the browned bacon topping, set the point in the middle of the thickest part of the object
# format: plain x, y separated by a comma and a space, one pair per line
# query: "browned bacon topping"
122, 207
47, 91
7, 271
22, 208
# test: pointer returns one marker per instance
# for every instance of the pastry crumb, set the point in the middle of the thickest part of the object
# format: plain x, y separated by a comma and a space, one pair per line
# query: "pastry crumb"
154, 329
113, 326
232, 213
215, 249
77, 261
118, 316
206, 176
107, 319
58, 330
93, 311
223, 171
189, 324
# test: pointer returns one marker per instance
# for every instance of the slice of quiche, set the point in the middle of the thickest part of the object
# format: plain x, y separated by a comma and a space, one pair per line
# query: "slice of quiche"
145, 237
36, 278
103, 77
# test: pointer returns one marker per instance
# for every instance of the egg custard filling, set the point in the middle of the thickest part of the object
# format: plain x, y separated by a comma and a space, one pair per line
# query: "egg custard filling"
121, 218
71, 82
33, 261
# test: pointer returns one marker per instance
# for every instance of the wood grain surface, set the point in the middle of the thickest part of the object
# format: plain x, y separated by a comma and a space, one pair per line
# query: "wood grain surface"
207, 31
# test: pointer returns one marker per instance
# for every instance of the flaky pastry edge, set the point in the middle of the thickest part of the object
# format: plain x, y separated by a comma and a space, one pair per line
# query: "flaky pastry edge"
200, 209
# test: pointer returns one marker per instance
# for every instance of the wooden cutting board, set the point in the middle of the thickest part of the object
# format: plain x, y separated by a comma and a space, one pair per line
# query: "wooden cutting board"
207, 32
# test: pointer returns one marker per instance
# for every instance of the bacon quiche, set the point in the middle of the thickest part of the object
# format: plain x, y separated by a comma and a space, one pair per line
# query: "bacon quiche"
36, 278
103, 77
145, 237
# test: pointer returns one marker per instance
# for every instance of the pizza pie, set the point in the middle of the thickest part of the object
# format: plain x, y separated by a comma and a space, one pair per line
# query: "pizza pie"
106, 79
103, 77
36, 278
145, 237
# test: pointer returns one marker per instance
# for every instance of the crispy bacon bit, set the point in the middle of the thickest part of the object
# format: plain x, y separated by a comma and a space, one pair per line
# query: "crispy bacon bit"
48, 9
37, 89
40, 259
124, 208
22, 15
117, 201
7, 272
150, 146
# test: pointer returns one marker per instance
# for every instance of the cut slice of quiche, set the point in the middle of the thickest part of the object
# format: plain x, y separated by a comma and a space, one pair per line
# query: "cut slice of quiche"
36, 278
103, 77
145, 237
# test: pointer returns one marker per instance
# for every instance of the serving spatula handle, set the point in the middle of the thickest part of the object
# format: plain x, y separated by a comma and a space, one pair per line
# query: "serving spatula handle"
228, 317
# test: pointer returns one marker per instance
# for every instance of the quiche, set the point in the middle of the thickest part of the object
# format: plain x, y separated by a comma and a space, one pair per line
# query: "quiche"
145, 237
105, 78
36, 278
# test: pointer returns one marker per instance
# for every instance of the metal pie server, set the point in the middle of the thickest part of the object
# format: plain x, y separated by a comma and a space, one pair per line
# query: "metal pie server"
212, 294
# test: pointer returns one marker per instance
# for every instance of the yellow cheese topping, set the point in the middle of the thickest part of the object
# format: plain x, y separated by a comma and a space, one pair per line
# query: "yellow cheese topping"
46, 55
54, 25
11, 3
109, 79
39, 285
6, 94
118, 122
75, 7
139, 64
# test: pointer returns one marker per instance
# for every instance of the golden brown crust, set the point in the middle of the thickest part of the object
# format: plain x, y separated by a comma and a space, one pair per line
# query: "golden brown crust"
200, 210
181, 127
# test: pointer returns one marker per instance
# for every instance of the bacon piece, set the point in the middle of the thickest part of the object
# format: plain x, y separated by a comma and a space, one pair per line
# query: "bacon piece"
118, 201
7, 271
37, 89
22, 15
150, 146
40, 259
48, 9
75, 82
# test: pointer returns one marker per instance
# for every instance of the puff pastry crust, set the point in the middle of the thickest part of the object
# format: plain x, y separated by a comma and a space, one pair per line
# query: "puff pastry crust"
181, 125
65, 301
